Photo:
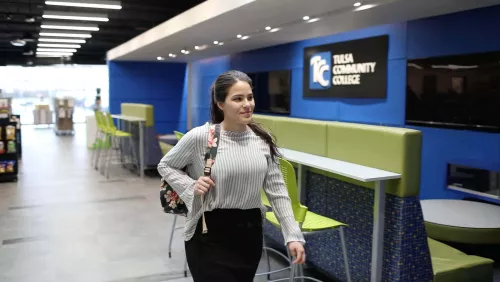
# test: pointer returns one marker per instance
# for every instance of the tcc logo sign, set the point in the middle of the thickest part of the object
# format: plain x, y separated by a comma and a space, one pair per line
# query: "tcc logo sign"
320, 72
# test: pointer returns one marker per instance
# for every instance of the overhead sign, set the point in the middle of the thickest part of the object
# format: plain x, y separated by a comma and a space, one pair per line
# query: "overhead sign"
351, 69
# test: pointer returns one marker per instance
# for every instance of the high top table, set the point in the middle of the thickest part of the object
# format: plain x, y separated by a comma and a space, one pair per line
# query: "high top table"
462, 221
358, 172
141, 122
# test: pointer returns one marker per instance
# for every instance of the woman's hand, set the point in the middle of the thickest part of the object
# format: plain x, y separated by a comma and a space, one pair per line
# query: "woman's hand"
203, 185
297, 250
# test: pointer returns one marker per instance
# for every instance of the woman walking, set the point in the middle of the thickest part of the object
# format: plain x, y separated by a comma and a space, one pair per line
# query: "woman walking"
228, 203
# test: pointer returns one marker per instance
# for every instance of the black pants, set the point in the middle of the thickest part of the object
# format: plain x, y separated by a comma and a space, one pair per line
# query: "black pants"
230, 251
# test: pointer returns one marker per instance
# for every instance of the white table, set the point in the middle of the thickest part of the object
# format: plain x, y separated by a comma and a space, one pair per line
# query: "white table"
141, 122
460, 213
358, 172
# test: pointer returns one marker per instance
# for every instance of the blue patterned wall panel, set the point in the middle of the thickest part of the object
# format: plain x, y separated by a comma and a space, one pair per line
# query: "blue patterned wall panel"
406, 253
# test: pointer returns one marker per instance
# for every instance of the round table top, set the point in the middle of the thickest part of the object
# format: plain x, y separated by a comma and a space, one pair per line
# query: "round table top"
461, 213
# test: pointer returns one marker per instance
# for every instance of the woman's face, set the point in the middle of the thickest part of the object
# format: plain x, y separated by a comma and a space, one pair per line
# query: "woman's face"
239, 104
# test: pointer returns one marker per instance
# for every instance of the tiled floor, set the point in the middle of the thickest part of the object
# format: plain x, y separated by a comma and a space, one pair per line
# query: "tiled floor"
63, 221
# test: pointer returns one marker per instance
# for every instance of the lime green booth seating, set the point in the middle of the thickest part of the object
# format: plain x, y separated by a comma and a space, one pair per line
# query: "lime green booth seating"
152, 147
144, 111
407, 256
452, 265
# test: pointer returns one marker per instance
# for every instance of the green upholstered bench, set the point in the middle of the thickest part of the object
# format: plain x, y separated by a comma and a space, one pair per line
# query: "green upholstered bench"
139, 110
387, 148
452, 265
392, 149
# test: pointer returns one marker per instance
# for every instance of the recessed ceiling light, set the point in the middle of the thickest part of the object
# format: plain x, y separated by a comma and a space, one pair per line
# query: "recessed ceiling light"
305, 18
274, 29
58, 45
57, 34
268, 28
183, 51
239, 35
56, 50
172, 55
216, 42
87, 4
357, 4
365, 7
187, 52
221, 43
18, 43
60, 40
75, 16
160, 58
313, 20
245, 37
197, 47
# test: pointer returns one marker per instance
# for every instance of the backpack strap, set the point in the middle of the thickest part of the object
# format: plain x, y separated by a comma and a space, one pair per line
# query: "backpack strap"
213, 141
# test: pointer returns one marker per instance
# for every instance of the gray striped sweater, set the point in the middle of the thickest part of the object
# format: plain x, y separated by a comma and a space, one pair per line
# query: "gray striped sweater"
242, 167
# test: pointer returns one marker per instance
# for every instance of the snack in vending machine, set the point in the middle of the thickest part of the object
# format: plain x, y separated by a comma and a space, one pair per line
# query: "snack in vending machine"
10, 166
10, 132
11, 147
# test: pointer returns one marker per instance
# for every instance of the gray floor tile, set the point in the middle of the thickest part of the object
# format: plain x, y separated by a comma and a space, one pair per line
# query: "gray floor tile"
63, 221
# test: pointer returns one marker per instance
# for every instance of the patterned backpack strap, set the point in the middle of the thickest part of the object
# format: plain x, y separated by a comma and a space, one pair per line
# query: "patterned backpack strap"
213, 141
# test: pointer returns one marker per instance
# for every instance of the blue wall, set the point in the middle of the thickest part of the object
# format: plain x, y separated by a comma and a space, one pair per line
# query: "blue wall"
204, 74
467, 32
460, 33
159, 84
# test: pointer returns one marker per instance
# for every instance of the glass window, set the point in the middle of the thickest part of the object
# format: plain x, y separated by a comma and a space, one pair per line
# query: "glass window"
29, 86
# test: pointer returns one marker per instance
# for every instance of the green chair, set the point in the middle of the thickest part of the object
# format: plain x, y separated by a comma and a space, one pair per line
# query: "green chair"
309, 222
102, 140
116, 136
178, 135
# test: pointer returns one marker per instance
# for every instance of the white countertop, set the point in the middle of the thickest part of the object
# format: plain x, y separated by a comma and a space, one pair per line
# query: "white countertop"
460, 213
128, 118
355, 171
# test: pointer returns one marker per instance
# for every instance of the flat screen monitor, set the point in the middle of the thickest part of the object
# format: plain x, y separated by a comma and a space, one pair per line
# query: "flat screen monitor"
271, 92
459, 92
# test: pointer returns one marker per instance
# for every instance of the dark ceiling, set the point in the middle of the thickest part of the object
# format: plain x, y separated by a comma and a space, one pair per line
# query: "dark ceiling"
135, 17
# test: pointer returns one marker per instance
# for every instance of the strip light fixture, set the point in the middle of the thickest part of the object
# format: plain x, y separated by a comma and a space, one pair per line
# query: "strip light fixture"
101, 4
58, 45
56, 50
54, 53
59, 34
69, 26
75, 16
61, 40
51, 56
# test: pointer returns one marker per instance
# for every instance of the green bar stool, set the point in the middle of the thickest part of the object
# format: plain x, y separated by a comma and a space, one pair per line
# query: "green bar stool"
309, 222
102, 140
265, 202
116, 136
